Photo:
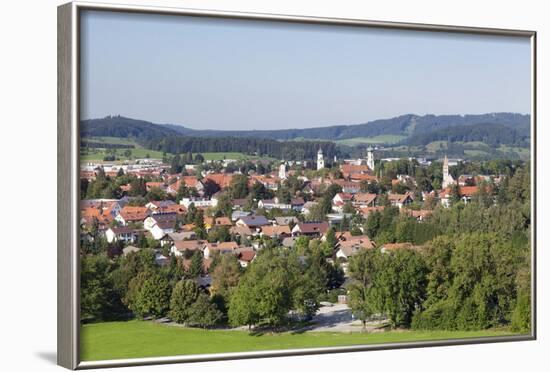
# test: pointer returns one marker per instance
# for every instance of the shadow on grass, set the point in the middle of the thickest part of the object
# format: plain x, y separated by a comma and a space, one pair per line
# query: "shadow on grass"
115, 318
293, 328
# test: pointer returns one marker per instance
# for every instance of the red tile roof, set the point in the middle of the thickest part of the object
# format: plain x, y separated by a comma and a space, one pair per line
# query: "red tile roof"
348, 169
129, 213
368, 210
362, 177
150, 185
192, 245
313, 227
399, 198
247, 255
276, 230
222, 180
364, 198
219, 221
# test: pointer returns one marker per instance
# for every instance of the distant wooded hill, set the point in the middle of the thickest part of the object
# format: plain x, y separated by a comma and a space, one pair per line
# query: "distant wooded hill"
489, 133
120, 126
164, 138
404, 125
494, 130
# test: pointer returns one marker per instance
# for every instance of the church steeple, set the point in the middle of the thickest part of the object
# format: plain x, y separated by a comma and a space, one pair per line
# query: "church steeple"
370, 158
320, 159
447, 178
282, 171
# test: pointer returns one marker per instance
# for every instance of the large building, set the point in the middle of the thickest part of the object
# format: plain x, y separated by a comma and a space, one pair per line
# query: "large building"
320, 159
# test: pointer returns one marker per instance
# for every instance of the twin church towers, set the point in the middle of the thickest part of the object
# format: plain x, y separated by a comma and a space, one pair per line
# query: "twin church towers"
370, 159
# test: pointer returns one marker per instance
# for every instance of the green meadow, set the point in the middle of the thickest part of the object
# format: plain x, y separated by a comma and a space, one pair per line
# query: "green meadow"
140, 152
388, 139
140, 339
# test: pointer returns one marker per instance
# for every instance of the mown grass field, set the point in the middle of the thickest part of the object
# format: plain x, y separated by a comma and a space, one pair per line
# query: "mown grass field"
139, 339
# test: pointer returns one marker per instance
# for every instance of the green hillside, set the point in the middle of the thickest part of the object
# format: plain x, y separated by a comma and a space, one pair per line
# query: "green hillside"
479, 137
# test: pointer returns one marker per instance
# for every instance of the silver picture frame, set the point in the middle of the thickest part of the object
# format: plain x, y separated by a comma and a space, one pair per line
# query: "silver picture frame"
68, 103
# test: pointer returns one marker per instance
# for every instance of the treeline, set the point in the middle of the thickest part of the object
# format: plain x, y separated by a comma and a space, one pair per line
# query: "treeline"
468, 281
428, 178
115, 287
476, 281
104, 145
488, 133
502, 208
399, 125
122, 127
278, 282
106, 187
297, 150
118, 126
470, 268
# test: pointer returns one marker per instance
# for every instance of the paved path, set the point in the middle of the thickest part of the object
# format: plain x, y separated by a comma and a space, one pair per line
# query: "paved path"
335, 318
338, 318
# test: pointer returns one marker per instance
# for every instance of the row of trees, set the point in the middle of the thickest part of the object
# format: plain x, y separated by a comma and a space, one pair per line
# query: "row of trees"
178, 162
472, 272
298, 150
467, 282
134, 284
104, 186
503, 208
278, 282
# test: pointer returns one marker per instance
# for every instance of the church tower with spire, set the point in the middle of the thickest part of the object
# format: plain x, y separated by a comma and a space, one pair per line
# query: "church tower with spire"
320, 159
370, 158
282, 171
448, 180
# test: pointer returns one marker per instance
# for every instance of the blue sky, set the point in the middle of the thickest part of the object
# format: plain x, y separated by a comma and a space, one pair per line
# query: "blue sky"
231, 74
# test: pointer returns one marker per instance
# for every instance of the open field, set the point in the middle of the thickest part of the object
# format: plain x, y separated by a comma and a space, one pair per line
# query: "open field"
232, 155
139, 152
471, 150
436, 146
388, 139
113, 140
136, 153
138, 339
524, 154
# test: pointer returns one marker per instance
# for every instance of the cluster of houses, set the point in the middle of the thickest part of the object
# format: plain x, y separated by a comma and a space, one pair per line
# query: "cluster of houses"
122, 221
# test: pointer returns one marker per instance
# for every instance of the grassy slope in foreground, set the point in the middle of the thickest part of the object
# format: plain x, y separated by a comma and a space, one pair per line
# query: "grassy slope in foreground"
140, 339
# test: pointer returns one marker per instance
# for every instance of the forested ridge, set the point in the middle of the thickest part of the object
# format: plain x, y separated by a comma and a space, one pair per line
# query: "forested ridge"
296, 150
489, 133
404, 125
